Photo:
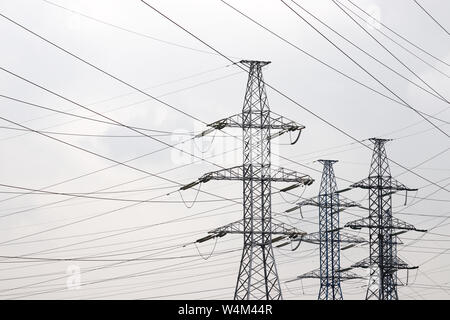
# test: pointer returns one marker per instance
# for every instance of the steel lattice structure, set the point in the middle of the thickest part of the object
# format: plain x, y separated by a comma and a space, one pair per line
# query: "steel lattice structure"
383, 262
258, 277
329, 236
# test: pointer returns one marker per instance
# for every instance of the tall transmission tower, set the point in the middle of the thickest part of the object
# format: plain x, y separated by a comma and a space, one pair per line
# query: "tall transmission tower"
383, 262
258, 276
329, 237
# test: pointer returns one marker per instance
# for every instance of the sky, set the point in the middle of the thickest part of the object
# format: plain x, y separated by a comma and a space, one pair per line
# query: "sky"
117, 227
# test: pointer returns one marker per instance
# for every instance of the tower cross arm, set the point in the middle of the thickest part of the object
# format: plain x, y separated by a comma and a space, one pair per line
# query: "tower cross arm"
347, 238
233, 173
276, 122
396, 264
278, 228
388, 183
308, 202
396, 224
314, 201
281, 229
280, 174
315, 274
347, 203
237, 173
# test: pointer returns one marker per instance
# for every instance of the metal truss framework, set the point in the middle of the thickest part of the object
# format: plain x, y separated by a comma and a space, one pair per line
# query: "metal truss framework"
382, 262
329, 236
258, 277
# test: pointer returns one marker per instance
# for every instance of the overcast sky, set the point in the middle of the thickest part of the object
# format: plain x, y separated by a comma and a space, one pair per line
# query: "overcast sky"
136, 250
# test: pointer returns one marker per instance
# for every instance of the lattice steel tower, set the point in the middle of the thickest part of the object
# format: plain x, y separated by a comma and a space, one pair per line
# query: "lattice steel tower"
258, 277
383, 262
329, 237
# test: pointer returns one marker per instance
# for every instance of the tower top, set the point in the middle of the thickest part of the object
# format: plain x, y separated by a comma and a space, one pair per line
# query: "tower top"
322, 161
379, 140
253, 62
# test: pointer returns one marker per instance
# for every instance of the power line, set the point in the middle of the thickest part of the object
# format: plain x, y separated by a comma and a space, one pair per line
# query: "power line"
427, 160
129, 230
140, 34
429, 14
97, 68
108, 212
106, 168
136, 274
123, 82
399, 35
91, 65
141, 273
37, 191
75, 115
396, 42
45, 205
74, 134
283, 94
331, 67
81, 259
120, 233
105, 157
340, 5
93, 269
130, 93
362, 68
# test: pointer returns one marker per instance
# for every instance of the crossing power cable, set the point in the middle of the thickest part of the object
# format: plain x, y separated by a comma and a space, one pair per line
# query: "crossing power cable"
128, 30
397, 43
340, 6
62, 49
331, 67
363, 68
281, 93
37, 191
73, 55
102, 189
101, 101
399, 35
431, 16
177, 109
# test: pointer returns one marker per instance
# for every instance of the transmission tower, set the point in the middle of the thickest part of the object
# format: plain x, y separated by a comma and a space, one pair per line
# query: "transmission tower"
383, 262
329, 237
258, 277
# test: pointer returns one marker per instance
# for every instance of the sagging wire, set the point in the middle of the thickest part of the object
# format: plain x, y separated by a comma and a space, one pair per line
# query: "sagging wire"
290, 138
415, 277
407, 277
212, 252
289, 219
296, 140
295, 201
414, 197
280, 251
298, 245
210, 144
291, 292
195, 199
